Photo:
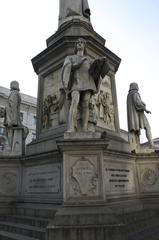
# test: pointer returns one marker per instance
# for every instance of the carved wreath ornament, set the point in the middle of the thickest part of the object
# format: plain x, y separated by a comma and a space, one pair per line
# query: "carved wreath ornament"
84, 177
148, 177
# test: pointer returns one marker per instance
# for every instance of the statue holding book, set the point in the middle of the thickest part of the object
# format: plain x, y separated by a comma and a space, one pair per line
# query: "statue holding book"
81, 78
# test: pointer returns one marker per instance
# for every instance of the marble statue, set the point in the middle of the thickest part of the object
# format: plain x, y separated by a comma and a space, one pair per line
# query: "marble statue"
12, 113
72, 8
15, 131
81, 78
137, 119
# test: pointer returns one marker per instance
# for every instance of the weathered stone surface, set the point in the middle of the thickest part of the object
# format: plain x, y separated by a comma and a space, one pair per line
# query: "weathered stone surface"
148, 177
82, 176
119, 178
42, 179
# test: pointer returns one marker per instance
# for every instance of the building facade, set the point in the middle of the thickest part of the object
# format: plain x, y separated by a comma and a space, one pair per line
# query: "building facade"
27, 111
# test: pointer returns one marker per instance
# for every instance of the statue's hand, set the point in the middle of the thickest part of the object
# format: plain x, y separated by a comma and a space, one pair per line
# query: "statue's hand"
147, 111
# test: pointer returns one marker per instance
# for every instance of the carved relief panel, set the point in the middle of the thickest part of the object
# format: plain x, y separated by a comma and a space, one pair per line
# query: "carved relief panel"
103, 105
148, 177
52, 116
9, 182
83, 180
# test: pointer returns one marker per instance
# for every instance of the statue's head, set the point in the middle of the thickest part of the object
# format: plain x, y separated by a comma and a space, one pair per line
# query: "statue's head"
133, 86
14, 85
80, 45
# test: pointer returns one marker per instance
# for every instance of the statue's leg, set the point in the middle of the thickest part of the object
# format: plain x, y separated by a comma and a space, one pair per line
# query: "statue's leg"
149, 136
72, 118
85, 109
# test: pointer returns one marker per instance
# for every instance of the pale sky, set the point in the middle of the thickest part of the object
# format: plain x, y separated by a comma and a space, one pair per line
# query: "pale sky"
131, 30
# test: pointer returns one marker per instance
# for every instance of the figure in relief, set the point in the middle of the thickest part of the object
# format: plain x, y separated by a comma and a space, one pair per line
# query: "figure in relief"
137, 119
71, 8
105, 106
81, 78
50, 107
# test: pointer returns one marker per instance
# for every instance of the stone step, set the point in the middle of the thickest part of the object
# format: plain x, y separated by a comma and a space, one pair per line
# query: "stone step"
14, 236
26, 230
32, 221
139, 226
138, 216
35, 210
146, 233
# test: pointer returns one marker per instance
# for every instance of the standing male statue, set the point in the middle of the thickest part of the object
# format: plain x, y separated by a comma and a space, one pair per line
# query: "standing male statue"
74, 8
136, 117
81, 78
12, 120
12, 116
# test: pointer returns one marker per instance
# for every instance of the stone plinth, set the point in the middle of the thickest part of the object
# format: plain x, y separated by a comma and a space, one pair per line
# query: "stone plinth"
16, 142
86, 223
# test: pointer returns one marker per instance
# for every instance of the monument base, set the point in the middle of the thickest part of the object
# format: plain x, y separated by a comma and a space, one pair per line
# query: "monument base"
86, 223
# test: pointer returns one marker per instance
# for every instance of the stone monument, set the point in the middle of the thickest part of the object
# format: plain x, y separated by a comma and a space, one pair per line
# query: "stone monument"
78, 126
79, 166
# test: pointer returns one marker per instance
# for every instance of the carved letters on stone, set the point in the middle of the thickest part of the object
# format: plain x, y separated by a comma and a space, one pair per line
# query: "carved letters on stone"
43, 179
84, 178
119, 178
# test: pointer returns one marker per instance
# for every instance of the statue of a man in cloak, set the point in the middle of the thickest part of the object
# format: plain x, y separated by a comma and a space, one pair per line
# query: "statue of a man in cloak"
137, 119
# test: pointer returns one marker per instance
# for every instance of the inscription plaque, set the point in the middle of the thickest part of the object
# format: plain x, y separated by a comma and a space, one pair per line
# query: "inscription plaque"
119, 178
43, 179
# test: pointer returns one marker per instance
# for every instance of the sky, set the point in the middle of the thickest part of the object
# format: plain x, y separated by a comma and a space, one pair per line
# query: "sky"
131, 30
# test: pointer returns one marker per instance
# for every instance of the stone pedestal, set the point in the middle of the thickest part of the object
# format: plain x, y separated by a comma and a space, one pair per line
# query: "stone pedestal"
92, 175
86, 223
48, 65
16, 142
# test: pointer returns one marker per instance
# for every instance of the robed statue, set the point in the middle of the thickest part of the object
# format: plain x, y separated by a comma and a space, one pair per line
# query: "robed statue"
12, 117
137, 119
73, 8
80, 79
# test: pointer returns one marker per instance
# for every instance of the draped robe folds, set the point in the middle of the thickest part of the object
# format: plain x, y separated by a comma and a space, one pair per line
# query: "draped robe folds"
87, 77
135, 112
73, 8
12, 117
78, 79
